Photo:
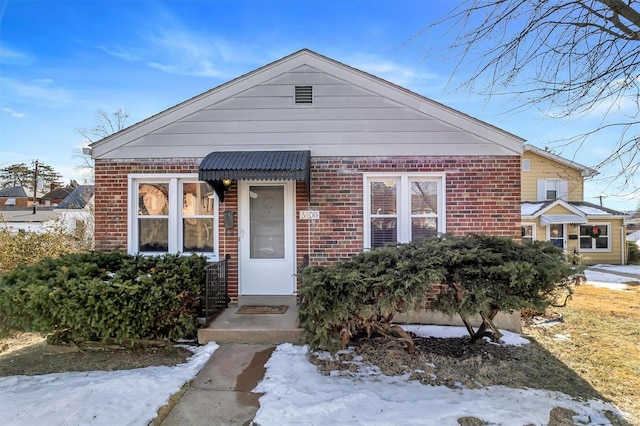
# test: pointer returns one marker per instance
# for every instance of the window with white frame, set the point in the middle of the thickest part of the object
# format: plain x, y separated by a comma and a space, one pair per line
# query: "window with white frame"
551, 188
172, 214
526, 165
528, 233
402, 207
595, 237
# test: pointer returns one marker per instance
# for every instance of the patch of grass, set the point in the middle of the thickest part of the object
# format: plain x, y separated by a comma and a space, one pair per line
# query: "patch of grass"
603, 344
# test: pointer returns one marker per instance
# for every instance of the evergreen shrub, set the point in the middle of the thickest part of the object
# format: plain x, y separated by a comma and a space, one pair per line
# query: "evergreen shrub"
99, 296
465, 276
360, 295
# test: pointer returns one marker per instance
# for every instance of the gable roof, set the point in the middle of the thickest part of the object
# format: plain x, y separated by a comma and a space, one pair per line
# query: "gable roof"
14, 192
582, 209
584, 170
60, 192
189, 125
78, 199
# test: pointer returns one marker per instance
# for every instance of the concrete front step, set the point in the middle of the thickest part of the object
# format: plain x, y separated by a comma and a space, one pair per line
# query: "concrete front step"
263, 329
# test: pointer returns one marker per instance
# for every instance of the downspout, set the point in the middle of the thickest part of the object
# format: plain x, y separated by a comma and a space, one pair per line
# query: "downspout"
623, 243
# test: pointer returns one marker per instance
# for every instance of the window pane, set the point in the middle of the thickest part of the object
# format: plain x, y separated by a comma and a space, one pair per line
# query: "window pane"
153, 234
424, 227
383, 197
585, 242
383, 231
424, 197
602, 242
153, 199
266, 231
197, 199
197, 235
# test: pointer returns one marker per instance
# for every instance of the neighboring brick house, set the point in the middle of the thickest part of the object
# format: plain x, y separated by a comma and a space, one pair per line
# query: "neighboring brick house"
553, 209
303, 157
18, 196
56, 195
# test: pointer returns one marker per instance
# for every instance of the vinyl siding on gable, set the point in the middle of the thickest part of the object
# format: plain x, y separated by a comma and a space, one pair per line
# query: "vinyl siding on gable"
352, 114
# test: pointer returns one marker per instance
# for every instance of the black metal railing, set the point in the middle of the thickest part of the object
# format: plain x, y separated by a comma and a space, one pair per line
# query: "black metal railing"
216, 293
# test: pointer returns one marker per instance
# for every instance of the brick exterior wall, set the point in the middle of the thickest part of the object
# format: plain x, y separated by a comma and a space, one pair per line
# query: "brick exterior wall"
111, 194
482, 196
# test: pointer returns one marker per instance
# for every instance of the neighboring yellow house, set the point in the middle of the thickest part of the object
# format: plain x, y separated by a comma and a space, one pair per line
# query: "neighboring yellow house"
553, 209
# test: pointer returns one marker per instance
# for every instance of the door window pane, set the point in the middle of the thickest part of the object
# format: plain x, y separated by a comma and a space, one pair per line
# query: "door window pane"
556, 235
266, 215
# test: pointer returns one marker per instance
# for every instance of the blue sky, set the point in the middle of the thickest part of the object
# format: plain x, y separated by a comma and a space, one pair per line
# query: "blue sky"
63, 60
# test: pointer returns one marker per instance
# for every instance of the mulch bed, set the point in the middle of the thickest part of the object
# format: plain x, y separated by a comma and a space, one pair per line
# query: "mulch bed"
455, 362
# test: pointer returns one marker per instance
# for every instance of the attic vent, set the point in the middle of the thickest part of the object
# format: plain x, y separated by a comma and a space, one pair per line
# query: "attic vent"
304, 94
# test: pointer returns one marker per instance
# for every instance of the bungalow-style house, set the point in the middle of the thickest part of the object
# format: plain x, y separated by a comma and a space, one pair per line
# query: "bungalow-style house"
56, 195
553, 209
18, 196
74, 212
303, 160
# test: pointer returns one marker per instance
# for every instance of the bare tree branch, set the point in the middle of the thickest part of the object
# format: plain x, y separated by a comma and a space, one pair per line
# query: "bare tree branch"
567, 58
107, 124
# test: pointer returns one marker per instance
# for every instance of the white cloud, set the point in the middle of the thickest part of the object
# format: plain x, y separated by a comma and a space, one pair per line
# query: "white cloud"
14, 57
173, 48
39, 91
393, 72
13, 113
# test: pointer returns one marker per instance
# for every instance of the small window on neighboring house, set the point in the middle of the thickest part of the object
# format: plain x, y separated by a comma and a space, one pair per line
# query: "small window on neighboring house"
552, 189
595, 237
528, 233
304, 94
526, 165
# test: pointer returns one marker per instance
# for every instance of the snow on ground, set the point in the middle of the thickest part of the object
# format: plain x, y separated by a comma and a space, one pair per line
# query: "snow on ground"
627, 269
443, 331
613, 281
296, 393
125, 397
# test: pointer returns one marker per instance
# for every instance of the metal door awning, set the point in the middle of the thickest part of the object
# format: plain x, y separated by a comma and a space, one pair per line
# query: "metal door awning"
259, 165
548, 219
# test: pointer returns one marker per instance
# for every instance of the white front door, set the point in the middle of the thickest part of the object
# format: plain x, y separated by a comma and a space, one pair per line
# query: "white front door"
267, 238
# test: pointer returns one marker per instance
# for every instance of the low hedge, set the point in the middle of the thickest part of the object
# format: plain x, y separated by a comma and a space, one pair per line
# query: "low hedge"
99, 296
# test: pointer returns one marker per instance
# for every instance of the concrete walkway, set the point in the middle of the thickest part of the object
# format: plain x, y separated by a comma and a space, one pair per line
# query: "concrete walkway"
221, 392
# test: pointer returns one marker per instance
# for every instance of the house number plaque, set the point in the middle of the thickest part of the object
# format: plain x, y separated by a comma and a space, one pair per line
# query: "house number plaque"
309, 215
